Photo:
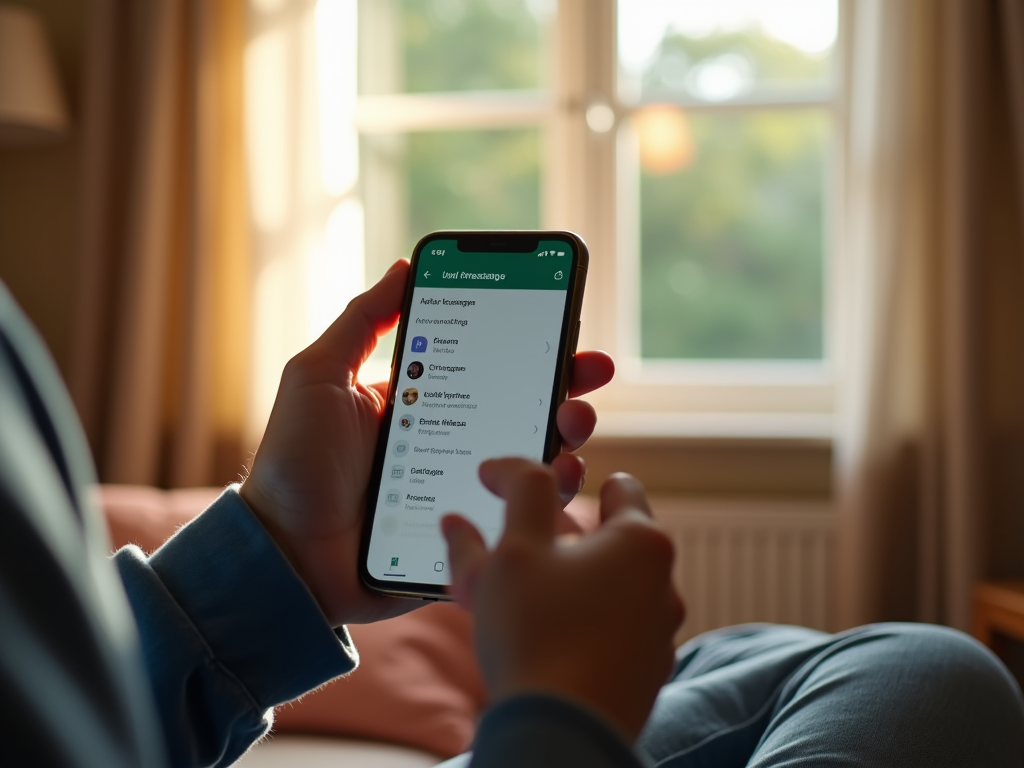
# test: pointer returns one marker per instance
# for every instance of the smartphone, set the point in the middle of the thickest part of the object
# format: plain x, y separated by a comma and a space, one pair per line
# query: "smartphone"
482, 361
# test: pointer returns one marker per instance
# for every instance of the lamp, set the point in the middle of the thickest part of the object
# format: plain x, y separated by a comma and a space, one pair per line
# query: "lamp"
31, 104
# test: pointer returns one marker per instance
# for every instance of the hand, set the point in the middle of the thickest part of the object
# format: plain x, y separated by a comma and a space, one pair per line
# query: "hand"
590, 619
309, 478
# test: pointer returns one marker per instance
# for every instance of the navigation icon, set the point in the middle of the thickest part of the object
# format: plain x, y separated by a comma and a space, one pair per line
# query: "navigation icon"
427, 273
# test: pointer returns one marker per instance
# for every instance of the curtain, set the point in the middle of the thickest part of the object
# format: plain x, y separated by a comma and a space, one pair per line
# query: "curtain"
158, 369
930, 455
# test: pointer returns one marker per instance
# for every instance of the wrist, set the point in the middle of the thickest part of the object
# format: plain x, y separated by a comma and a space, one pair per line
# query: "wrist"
262, 507
607, 702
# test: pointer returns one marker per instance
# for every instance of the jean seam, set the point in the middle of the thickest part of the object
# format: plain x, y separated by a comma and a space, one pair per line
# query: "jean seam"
731, 729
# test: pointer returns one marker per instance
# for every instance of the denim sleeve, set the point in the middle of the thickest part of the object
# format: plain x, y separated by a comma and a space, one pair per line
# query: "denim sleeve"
543, 731
228, 631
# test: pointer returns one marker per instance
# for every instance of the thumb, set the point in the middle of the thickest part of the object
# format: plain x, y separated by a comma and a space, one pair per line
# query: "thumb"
467, 554
352, 337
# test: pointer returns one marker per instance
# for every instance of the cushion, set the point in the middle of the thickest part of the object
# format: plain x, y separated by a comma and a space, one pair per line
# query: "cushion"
290, 750
417, 684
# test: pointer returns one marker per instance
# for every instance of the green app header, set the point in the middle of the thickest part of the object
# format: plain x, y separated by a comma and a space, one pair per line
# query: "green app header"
442, 265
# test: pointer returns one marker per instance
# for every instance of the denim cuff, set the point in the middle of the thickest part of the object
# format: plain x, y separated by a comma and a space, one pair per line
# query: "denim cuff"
541, 730
250, 606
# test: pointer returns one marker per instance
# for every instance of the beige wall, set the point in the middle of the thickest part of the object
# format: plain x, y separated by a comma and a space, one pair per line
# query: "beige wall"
39, 195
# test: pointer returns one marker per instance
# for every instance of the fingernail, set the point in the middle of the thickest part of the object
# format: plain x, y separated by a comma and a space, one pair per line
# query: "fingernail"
394, 266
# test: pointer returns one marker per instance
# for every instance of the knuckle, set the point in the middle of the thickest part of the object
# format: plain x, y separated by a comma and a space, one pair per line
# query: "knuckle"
677, 610
296, 369
652, 541
512, 555
537, 477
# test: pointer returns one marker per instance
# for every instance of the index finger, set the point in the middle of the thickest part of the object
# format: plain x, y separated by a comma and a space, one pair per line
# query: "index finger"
621, 494
531, 495
591, 369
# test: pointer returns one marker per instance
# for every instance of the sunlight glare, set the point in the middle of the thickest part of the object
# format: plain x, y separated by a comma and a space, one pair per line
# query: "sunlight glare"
336, 271
336, 31
267, 127
809, 25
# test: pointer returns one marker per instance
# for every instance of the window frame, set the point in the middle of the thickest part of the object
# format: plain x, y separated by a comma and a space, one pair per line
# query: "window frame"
585, 186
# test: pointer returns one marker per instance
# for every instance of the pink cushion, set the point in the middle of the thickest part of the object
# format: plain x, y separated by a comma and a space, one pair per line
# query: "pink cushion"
417, 684
139, 514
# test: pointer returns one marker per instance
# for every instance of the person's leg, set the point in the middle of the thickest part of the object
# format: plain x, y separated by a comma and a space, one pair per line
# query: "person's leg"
719, 701
884, 695
898, 695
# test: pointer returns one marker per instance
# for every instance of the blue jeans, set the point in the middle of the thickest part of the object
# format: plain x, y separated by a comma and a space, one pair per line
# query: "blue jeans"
881, 695
762, 696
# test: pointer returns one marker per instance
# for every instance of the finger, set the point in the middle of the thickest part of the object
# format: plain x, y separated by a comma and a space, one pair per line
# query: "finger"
352, 337
531, 494
576, 421
379, 390
676, 610
622, 494
467, 553
571, 471
591, 369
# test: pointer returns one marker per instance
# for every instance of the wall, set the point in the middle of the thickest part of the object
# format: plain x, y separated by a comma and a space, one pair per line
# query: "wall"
39, 194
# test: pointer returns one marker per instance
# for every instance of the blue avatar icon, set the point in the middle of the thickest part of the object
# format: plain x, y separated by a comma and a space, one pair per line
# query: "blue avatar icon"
419, 343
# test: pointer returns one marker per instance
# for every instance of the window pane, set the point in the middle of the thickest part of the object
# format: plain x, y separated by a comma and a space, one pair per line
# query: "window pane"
420, 182
731, 233
716, 51
422, 46
412, 184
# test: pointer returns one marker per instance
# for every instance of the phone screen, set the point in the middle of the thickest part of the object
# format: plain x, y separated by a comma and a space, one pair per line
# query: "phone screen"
476, 377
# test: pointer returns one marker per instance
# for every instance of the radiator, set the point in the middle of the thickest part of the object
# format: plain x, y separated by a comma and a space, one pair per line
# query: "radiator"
743, 561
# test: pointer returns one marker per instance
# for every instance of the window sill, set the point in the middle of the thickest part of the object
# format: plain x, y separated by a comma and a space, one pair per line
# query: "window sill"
716, 426
763, 456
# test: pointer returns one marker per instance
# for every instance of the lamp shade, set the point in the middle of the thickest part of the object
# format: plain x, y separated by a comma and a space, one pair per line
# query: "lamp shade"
31, 106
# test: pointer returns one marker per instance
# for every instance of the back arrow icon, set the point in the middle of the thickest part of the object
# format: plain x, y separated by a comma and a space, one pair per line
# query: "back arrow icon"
427, 273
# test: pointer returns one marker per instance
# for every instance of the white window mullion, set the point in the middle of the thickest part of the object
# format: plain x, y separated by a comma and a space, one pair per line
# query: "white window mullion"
580, 168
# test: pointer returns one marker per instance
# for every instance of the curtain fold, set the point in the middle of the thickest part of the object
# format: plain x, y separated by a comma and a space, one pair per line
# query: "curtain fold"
158, 372
931, 448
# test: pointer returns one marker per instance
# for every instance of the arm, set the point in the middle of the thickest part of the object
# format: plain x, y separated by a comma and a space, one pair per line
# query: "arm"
228, 632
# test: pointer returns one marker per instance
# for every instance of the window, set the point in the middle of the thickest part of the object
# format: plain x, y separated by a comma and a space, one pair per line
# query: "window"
691, 143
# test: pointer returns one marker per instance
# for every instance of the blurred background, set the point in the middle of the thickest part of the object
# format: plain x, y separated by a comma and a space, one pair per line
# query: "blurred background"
805, 217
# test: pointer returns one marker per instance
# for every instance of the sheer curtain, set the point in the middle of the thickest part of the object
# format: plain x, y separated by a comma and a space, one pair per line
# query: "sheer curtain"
931, 448
302, 153
159, 366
